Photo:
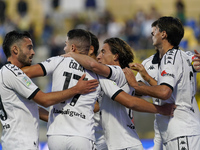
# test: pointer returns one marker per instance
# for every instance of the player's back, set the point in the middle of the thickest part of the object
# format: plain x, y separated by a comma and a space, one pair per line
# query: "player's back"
73, 116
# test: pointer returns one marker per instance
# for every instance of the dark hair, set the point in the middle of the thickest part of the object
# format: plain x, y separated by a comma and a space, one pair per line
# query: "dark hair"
172, 26
94, 42
80, 38
11, 38
124, 51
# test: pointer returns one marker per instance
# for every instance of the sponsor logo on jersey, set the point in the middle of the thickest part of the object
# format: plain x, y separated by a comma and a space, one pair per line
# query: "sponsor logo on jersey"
69, 113
27, 81
164, 73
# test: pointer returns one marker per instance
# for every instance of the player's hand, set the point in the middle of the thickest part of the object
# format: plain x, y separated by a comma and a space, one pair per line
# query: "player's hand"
196, 61
85, 87
167, 109
130, 77
137, 67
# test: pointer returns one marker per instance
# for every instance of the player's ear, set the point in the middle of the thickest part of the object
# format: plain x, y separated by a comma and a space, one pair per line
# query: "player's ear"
91, 51
164, 35
116, 56
73, 47
14, 49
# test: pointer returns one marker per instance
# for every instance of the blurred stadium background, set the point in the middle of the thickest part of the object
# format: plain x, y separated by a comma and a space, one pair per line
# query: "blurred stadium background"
49, 20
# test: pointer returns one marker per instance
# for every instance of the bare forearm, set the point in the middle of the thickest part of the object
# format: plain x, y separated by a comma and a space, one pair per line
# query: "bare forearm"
44, 114
158, 91
91, 64
135, 103
84, 60
33, 71
48, 99
150, 80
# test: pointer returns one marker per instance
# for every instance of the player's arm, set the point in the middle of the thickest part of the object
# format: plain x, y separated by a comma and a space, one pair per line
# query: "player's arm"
33, 71
43, 114
96, 107
159, 91
196, 61
90, 64
140, 68
142, 105
82, 87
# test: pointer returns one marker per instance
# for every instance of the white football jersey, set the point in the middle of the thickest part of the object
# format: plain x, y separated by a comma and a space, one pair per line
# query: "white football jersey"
18, 113
99, 133
118, 128
75, 115
176, 72
151, 66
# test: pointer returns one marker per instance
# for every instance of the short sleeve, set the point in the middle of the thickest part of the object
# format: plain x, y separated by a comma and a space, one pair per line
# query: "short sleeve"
109, 87
15, 79
170, 69
51, 64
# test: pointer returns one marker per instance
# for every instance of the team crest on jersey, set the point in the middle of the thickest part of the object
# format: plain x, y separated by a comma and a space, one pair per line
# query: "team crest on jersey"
151, 67
164, 73
26, 81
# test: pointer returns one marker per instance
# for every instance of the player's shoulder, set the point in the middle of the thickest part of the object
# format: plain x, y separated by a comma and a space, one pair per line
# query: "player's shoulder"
172, 56
148, 60
115, 69
190, 53
10, 69
54, 58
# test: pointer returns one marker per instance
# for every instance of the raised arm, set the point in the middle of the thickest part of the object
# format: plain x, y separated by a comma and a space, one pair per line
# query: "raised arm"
90, 64
140, 68
159, 91
33, 71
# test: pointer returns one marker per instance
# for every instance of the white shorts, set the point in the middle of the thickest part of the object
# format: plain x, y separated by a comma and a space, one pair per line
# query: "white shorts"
137, 147
158, 144
59, 142
183, 143
101, 144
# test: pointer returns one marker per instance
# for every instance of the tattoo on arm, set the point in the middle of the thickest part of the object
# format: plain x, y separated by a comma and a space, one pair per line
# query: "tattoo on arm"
148, 80
140, 84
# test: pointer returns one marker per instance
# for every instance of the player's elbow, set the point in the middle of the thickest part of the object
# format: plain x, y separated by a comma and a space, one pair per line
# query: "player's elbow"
166, 94
42, 99
93, 66
46, 104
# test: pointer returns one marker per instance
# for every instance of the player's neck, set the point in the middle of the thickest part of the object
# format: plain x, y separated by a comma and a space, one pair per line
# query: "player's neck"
164, 48
15, 62
116, 63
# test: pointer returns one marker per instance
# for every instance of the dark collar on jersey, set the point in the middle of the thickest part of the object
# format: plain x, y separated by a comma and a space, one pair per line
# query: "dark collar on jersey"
8, 62
156, 59
175, 47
